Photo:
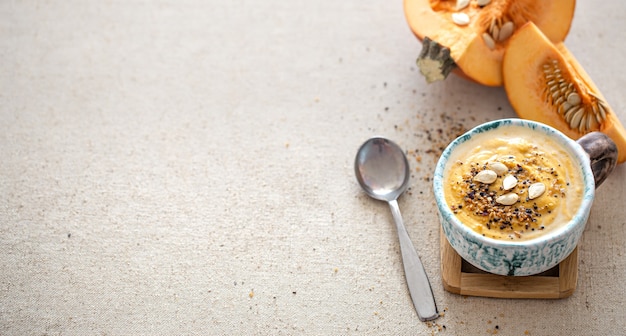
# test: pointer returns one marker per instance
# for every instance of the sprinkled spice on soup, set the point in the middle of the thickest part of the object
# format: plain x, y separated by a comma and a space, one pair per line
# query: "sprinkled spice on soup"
512, 184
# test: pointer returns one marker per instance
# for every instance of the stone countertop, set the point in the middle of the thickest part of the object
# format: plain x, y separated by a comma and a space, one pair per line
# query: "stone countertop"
185, 167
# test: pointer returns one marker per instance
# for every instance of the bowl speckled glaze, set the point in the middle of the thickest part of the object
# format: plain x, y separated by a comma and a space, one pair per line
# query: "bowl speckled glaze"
517, 258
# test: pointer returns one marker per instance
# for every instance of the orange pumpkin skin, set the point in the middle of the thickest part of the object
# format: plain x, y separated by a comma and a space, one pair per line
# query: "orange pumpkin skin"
545, 83
474, 58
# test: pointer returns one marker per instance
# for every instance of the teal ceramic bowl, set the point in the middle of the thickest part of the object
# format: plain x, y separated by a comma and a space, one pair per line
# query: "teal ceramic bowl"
516, 258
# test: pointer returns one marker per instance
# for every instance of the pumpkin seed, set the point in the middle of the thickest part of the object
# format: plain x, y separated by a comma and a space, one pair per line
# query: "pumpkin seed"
495, 33
576, 118
595, 111
483, 3
589, 122
460, 19
498, 167
486, 176
573, 99
565, 92
555, 94
583, 123
506, 31
509, 182
563, 107
559, 100
602, 111
461, 4
507, 199
536, 189
570, 113
489, 41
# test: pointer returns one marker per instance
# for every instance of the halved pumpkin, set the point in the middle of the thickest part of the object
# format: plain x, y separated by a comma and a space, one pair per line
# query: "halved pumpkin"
545, 83
477, 47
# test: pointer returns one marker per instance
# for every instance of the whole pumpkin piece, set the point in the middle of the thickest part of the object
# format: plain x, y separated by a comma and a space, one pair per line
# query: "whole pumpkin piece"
545, 83
474, 50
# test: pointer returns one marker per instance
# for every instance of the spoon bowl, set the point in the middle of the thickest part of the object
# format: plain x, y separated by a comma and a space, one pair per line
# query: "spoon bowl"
382, 169
383, 172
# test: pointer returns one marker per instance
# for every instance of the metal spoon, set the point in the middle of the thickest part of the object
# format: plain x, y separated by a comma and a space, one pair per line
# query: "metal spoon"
383, 172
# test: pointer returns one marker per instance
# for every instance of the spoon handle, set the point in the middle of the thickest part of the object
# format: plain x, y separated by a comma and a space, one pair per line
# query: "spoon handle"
416, 278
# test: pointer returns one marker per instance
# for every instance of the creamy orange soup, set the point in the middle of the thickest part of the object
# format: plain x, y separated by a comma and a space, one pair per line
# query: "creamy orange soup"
512, 183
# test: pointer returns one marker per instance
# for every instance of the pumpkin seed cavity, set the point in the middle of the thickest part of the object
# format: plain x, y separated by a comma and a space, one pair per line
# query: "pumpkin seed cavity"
582, 110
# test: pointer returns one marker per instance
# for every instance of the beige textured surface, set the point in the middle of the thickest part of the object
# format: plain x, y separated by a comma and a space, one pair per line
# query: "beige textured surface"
186, 167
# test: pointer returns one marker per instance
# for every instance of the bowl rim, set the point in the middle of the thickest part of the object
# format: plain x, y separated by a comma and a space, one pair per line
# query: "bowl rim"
575, 150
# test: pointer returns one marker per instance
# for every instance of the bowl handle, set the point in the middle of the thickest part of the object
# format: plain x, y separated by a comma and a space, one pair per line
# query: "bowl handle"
602, 152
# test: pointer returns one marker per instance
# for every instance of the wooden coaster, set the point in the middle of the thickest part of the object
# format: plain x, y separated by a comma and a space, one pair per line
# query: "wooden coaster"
460, 277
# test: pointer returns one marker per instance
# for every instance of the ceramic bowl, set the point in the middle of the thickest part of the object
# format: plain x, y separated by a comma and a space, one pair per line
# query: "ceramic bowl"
536, 255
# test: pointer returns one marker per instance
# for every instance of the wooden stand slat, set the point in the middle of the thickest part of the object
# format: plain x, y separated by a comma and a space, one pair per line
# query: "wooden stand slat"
460, 277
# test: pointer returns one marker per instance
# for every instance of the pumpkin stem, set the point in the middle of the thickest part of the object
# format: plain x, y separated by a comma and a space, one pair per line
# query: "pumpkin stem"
434, 61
